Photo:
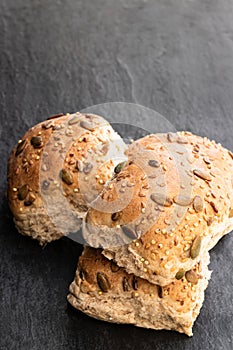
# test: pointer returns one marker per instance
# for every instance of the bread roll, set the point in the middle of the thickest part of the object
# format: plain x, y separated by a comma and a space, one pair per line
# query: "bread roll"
104, 291
56, 169
167, 207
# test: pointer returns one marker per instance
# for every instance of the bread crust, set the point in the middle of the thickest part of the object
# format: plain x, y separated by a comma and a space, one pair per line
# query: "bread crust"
194, 175
130, 299
56, 170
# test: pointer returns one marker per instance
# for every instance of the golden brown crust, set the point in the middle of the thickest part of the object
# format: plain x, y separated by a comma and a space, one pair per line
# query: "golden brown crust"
183, 204
65, 159
103, 290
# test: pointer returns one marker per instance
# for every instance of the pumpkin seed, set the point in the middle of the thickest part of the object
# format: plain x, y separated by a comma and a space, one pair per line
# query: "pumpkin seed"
198, 204
161, 199
202, 174
55, 116
130, 233
67, 176
119, 167
213, 205
153, 163
182, 200
87, 169
36, 141
135, 283
191, 277
30, 199
22, 192
79, 165
103, 281
20, 147
74, 120
125, 284
195, 248
231, 213
114, 266
116, 216
180, 274
86, 125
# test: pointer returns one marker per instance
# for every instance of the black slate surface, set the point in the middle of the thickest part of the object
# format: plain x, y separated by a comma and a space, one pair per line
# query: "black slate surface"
55, 55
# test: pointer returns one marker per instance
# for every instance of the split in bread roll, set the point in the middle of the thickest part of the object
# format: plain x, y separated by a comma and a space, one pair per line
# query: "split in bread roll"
56, 169
104, 291
166, 208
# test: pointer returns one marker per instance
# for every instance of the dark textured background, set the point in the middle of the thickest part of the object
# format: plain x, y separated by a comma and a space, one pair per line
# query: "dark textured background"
56, 55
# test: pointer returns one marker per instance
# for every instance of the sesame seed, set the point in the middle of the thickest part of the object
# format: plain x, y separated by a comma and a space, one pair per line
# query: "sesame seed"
142, 259
143, 210
75, 190
167, 252
146, 262
100, 293
14, 189
101, 181
79, 148
137, 244
160, 245
153, 241
37, 157
195, 224
20, 209
164, 231
145, 270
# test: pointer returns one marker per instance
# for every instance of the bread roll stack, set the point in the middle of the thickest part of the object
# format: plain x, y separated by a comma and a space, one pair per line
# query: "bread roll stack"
173, 202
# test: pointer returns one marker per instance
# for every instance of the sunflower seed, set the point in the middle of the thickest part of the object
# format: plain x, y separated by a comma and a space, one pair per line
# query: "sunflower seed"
231, 213
45, 184
231, 154
55, 116
161, 199
79, 165
125, 284
74, 120
213, 205
153, 163
129, 232
103, 281
172, 137
135, 283
206, 160
182, 200
116, 216
191, 277
202, 174
22, 192
180, 274
160, 291
119, 167
114, 266
67, 176
30, 199
209, 221
82, 274
198, 204
195, 248
87, 169
20, 147
86, 125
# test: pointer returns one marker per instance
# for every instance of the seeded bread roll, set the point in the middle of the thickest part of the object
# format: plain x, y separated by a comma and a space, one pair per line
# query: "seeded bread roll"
57, 169
173, 202
104, 291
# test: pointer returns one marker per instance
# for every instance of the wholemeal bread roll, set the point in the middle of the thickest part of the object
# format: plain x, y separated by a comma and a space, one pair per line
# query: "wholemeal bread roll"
103, 290
56, 169
166, 208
